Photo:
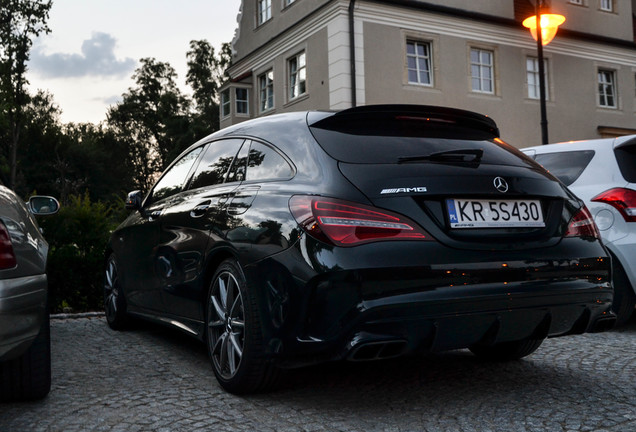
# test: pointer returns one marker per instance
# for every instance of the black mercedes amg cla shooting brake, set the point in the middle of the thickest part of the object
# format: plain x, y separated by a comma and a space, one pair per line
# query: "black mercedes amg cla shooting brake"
363, 234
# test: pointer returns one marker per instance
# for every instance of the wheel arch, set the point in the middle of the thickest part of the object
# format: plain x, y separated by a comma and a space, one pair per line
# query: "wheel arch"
213, 261
618, 259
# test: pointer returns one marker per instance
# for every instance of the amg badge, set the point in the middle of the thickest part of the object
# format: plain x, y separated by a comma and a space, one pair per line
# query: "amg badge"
403, 190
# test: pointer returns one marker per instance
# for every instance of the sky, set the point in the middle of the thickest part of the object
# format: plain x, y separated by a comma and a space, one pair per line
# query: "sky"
87, 60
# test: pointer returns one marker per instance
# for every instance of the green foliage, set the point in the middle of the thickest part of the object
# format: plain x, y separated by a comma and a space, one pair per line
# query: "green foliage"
20, 21
152, 118
206, 73
89, 167
77, 238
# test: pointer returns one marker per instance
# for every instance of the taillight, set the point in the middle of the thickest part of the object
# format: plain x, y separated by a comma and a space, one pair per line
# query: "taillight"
344, 223
7, 257
582, 225
622, 199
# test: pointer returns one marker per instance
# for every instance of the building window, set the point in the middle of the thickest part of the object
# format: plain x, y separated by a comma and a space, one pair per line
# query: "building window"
242, 104
532, 73
481, 70
607, 5
266, 90
606, 88
297, 69
418, 62
577, 2
264, 11
287, 2
225, 103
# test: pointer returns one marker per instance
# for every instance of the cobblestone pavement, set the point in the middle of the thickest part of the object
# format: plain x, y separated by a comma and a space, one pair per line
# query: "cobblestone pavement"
153, 379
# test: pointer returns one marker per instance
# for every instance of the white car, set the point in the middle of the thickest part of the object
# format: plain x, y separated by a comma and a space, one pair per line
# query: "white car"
602, 172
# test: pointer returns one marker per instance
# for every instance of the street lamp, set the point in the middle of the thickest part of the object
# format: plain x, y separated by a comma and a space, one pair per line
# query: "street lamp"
543, 28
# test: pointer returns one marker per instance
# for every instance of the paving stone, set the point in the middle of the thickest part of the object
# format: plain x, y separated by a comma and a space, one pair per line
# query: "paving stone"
153, 379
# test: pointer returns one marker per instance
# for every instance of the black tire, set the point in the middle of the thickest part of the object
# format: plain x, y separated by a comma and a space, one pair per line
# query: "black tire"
233, 334
114, 300
507, 351
28, 377
624, 297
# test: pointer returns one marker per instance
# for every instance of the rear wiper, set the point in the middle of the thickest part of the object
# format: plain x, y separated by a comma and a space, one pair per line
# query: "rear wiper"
462, 156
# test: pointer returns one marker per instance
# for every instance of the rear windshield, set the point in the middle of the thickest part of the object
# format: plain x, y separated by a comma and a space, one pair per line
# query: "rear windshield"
380, 142
566, 166
626, 158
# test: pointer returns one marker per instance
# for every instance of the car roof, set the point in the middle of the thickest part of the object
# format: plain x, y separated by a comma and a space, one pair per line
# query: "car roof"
626, 140
291, 132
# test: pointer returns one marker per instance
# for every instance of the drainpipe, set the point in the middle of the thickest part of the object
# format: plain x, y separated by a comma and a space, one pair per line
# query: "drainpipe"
352, 51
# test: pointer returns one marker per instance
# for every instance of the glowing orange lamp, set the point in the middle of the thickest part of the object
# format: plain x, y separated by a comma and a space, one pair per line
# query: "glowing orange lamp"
549, 25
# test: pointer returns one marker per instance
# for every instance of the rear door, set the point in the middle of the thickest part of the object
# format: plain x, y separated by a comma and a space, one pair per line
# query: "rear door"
196, 217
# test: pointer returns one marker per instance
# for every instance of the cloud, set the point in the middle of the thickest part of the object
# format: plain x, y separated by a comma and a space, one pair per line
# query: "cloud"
111, 100
97, 59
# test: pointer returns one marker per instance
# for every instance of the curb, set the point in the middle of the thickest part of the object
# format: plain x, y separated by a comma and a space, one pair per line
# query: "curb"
64, 316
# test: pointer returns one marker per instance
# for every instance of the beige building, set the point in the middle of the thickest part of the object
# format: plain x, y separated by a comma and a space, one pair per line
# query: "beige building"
292, 55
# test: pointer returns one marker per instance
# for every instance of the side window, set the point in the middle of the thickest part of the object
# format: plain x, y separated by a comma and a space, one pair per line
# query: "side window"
566, 166
173, 179
239, 167
265, 163
215, 163
626, 158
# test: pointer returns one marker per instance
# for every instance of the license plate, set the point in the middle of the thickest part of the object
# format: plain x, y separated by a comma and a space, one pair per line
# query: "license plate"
476, 213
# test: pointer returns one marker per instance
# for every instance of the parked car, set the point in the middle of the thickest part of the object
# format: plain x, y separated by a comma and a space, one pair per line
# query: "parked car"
365, 234
25, 358
602, 172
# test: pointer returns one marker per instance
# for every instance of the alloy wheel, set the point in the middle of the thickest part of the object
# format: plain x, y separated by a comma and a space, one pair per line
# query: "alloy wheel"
111, 290
226, 325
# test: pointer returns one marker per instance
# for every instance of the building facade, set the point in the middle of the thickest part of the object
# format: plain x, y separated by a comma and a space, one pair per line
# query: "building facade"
292, 55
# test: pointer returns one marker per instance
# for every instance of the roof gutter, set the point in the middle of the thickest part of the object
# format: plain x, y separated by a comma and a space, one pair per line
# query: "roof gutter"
352, 53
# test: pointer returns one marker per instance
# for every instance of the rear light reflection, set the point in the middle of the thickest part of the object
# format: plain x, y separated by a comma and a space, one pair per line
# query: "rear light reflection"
343, 223
7, 257
582, 225
622, 199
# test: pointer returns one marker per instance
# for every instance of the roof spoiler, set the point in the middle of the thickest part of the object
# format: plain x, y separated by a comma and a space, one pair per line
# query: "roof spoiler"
627, 140
436, 115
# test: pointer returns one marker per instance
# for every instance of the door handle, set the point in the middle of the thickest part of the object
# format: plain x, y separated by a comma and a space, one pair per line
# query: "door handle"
154, 214
200, 210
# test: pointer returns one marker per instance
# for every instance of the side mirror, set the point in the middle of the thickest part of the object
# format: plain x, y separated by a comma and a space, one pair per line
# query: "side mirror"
43, 205
133, 200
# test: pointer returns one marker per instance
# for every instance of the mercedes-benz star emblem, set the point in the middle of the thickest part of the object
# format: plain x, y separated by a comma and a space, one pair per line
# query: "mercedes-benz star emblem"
500, 184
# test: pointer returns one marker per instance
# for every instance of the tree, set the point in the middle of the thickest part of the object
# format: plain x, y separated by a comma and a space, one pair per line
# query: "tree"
20, 21
152, 120
41, 133
206, 73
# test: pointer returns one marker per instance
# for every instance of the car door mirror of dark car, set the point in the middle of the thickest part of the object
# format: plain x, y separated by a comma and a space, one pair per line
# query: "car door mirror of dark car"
133, 200
41, 205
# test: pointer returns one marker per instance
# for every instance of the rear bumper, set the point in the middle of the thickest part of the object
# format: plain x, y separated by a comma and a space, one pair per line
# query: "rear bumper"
625, 251
413, 299
22, 309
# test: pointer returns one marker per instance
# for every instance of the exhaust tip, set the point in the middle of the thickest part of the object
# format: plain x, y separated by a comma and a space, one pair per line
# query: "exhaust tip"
603, 324
378, 350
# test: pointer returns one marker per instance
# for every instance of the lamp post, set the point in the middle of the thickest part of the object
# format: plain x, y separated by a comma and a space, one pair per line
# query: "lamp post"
543, 28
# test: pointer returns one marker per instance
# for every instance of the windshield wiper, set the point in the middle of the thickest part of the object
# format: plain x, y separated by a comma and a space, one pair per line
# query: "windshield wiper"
462, 156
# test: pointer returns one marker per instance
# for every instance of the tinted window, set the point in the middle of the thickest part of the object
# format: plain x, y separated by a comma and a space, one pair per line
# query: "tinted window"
386, 140
239, 167
566, 166
626, 158
266, 164
215, 163
173, 179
